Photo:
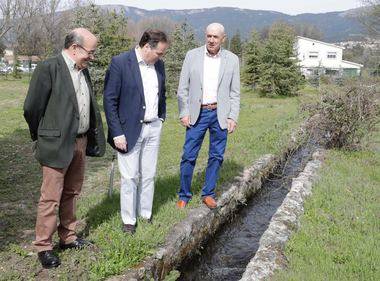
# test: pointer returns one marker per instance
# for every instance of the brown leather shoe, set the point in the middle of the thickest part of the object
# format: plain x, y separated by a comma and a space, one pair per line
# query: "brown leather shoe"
181, 204
209, 201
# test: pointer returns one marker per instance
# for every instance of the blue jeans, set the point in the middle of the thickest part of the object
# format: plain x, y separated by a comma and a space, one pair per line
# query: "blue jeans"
194, 137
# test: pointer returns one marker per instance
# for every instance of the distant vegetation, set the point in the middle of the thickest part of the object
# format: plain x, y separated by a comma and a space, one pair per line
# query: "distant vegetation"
267, 58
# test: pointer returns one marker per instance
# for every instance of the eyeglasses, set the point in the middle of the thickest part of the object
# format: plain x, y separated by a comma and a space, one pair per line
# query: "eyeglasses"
90, 53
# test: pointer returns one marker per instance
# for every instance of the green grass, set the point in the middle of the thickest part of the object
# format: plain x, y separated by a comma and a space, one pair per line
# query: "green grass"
263, 127
340, 233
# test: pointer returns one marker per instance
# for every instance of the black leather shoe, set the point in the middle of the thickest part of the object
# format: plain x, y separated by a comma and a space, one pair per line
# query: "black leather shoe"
48, 259
76, 244
129, 229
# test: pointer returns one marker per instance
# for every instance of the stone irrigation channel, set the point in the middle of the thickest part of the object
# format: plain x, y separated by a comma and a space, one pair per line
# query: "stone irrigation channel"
244, 237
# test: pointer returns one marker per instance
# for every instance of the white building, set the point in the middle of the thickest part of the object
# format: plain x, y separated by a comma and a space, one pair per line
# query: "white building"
317, 57
23, 59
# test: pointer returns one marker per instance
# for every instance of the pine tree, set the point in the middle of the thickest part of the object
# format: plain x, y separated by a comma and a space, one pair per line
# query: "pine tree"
252, 59
111, 29
182, 40
16, 72
226, 43
236, 44
279, 72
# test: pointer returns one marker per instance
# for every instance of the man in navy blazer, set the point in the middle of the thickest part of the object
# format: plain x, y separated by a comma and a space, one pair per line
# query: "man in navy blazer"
135, 107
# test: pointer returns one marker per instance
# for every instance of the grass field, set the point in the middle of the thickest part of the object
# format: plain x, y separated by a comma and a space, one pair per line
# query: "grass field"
340, 230
264, 127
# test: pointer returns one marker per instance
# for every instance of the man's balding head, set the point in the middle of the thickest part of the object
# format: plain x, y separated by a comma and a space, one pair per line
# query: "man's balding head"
215, 26
79, 36
215, 37
80, 45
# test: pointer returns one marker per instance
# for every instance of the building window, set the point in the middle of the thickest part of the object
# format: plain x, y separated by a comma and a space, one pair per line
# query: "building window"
331, 55
332, 72
313, 55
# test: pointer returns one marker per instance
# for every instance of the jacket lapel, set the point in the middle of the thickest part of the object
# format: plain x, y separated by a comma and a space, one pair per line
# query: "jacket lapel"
67, 81
136, 73
223, 61
89, 85
88, 81
201, 63
92, 98
159, 76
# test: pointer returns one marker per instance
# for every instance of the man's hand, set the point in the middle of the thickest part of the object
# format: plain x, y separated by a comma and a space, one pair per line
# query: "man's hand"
185, 121
231, 126
120, 142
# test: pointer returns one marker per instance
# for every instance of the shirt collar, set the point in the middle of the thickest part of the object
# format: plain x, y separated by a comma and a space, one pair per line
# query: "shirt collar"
213, 56
69, 61
138, 55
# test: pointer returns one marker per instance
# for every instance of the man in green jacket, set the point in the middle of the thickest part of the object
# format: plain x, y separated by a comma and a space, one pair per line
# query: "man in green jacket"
65, 123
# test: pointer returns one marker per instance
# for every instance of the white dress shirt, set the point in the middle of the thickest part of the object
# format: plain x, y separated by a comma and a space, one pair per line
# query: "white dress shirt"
150, 84
82, 93
211, 68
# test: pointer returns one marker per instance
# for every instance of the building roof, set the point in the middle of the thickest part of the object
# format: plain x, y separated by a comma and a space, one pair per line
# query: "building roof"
357, 65
320, 42
8, 56
26, 58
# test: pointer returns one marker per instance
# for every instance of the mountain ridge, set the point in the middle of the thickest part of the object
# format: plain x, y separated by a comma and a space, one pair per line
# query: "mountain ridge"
336, 26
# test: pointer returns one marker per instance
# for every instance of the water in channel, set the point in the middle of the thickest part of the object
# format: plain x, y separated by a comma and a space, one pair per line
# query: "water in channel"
226, 254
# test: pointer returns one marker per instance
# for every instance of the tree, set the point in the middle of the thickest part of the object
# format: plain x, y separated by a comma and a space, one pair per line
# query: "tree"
32, 26
236, 44
54, 25
111, 29
264, 33
16, 73
24, 26
279, 72
8, 11
226, 43
28, 29
370, 16
252, 58
2, 48
182, 40
309, 31
165, 24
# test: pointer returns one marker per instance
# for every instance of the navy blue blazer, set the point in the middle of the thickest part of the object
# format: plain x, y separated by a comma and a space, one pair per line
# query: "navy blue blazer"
123, 100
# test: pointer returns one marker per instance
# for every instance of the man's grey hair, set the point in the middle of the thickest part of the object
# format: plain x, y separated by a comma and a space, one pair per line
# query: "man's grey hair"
216, 25
73, 38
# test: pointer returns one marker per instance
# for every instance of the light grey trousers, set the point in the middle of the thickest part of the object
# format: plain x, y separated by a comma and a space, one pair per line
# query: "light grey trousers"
137, 170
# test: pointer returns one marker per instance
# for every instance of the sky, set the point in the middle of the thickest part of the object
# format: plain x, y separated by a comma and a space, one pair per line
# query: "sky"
291, 7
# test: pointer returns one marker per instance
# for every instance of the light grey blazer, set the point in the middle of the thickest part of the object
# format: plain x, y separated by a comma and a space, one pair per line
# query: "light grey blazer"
190, 88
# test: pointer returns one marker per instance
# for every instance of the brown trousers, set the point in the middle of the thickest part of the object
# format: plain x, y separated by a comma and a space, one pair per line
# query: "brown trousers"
60, 188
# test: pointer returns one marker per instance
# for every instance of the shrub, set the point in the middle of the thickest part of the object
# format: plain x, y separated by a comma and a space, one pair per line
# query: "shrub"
344, 115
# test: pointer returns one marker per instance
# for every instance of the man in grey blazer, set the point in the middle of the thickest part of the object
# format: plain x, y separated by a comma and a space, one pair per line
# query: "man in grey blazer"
208, 99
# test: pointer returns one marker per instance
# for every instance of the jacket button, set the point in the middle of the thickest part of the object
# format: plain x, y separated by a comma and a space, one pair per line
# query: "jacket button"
200, 100
143, 106
141, 121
